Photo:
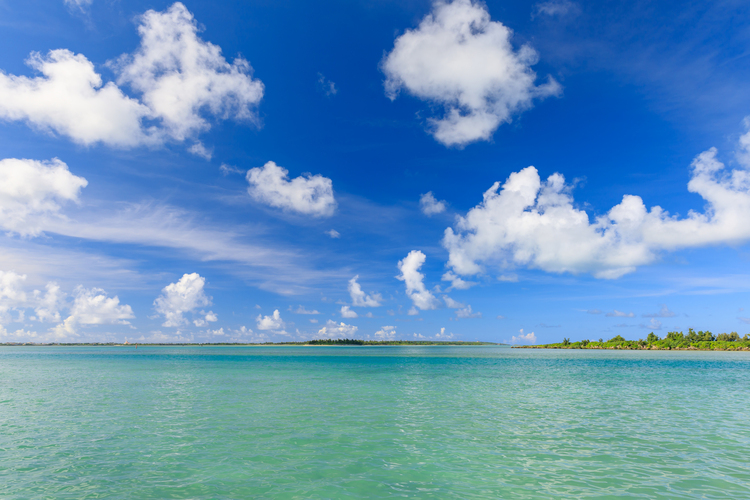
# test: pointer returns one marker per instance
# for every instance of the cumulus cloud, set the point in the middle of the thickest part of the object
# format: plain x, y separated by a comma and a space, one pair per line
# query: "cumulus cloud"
457, 282
467, 313
272, 323
94, 307
308, 194
431, 205
179, 298
443, 336
414, 281
333, 234
30, 189
208, 317
334, 330
198, 149
48, 306
460, 59
664, 312
536, 224
346, 312
360, 298
521, 338
12, 294
180, 75
69, 98
453, 304
386, 333
180, 79
619, 314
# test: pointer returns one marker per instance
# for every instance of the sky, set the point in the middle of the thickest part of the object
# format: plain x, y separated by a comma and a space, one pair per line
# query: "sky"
273, 171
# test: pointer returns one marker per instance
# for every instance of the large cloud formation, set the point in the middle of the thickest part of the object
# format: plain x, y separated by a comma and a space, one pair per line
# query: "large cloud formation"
462, 60
532, 223
186, 295
94, 307
30, 189
309, 194
179, 76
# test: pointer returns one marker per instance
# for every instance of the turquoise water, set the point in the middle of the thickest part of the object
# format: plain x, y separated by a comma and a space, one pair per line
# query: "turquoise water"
372, 422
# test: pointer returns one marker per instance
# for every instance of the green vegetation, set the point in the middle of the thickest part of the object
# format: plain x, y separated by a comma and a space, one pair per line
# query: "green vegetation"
701, 341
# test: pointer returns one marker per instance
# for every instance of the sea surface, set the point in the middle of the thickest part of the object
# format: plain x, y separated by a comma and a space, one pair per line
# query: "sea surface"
372, 422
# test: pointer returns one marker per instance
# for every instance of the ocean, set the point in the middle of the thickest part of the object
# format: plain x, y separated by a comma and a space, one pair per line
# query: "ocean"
372, 422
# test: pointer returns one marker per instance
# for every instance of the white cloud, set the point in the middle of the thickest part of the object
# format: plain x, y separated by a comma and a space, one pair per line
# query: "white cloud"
181, 76
178, 298
654, 324
457, 282
93, 307
208, 317
31, 189
310, 195
556, 8
360, 298
467, 313
743, 153
453, 304
70, 99
48, 305
430, 205
229, 169
386, 333
536, 224
334, 330
443, 336
198, 149
272, 323
12, 294
302, 310
346, 312
326, 86
521, 338
664, 312
619, 314
462, 60
333, 233
508, 278
414, 281
81, 4
413, 311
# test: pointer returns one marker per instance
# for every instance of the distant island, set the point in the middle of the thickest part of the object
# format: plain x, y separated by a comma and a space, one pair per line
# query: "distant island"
317, 342
693, 341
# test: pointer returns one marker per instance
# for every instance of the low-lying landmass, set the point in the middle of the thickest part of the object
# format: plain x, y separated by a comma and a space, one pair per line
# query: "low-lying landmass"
693, 341
318, 342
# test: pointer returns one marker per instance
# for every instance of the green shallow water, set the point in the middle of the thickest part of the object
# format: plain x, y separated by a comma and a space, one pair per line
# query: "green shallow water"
372, 422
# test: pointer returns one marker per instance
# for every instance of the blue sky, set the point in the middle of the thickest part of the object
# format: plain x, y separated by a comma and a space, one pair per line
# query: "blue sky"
211, 172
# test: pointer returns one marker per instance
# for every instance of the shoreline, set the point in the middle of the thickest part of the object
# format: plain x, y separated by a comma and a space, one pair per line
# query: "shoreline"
739, 348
